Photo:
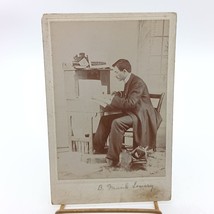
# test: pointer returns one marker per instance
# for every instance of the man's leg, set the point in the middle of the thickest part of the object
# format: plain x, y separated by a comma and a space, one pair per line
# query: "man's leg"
118, 128
103, 131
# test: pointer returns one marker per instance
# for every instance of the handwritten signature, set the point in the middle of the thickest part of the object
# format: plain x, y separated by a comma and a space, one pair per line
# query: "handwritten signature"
124, 186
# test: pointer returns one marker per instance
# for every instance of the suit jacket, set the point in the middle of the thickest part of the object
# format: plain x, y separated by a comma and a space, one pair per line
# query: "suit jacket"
136, 102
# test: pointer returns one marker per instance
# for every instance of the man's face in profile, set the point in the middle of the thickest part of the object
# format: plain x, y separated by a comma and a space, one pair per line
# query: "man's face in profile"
120, 75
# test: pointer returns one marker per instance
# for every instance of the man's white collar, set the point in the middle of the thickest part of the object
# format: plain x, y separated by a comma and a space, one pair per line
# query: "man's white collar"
127, 78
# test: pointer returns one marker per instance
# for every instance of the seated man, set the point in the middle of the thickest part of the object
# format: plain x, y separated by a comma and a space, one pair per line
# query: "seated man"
136, 110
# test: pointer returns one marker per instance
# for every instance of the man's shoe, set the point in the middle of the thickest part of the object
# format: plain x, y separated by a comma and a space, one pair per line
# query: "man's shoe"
111, 163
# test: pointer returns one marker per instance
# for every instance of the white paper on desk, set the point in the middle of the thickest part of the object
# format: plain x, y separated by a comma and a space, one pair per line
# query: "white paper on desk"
100, 102
103, 100
90, 88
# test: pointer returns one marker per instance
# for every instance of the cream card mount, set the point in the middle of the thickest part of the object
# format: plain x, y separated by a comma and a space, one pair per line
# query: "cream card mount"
147, 40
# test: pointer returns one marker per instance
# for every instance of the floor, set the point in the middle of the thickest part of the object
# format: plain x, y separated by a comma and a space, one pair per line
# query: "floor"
74, 165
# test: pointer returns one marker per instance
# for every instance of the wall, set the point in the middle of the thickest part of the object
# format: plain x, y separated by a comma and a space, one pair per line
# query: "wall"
153, 64
143, 43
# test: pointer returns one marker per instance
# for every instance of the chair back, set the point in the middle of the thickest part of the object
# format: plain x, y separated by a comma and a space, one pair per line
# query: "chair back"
159, 97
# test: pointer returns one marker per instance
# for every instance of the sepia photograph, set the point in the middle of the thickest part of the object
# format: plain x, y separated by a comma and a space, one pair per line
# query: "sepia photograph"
109, 91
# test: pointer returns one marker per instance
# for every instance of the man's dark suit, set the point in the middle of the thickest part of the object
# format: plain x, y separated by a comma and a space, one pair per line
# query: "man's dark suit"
137, 112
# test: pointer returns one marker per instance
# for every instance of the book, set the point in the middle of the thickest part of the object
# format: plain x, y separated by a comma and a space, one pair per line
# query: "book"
103, 100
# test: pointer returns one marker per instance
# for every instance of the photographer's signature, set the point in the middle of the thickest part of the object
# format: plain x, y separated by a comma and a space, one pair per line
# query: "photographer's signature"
124, 186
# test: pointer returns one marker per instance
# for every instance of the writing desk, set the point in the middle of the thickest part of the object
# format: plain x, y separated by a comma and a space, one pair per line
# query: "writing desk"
83, 119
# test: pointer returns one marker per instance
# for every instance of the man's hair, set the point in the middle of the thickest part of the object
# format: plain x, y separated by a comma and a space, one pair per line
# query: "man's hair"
123, 64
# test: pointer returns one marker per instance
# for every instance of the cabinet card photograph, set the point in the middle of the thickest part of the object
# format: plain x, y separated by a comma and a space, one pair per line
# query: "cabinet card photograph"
109, 89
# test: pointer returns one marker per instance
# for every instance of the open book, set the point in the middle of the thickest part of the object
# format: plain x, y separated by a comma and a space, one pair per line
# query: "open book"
103, 100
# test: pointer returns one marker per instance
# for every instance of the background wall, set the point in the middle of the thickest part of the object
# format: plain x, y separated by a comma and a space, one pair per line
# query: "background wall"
24, 181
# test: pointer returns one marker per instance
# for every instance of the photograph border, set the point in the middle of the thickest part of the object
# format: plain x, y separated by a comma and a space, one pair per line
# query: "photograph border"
95, 191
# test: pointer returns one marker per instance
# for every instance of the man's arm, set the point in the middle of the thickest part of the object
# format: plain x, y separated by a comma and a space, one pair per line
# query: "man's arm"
134, 95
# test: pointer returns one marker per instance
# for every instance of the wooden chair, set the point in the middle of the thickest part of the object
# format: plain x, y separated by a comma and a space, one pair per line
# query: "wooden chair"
129, 133
159, 97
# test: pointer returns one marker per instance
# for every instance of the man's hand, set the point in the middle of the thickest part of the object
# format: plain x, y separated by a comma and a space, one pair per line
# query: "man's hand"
109, 99
117, 93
